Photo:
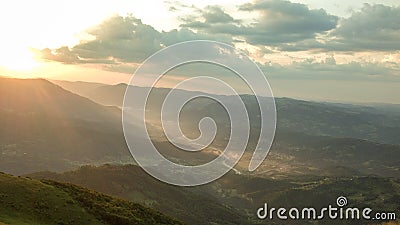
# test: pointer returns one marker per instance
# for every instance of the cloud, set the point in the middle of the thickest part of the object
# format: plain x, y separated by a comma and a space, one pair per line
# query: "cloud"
328, 69
62, 54
286, 22
374, 27
215, 14
117, 39
185, 34
213, 20
287, 26
123, 38
122, 41
280, 22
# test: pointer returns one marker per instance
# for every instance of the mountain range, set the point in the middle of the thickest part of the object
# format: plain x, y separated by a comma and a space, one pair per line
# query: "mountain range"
60, 134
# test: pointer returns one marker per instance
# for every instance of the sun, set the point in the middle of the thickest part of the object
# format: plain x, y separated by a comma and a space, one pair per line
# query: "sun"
17, 58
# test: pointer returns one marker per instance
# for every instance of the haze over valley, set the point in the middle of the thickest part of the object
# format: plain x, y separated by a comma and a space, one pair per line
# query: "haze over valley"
227, 112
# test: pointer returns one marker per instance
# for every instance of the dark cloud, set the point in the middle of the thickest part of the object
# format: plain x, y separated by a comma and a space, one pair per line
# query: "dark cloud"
280, 23
213, 20
286, 22
172, 9
185, 34
62, 54
375, 27
215, 14
288, 26
122, 38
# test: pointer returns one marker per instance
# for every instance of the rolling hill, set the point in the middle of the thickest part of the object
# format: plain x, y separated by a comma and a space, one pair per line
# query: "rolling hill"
321, 150
44, 127
26, 201
295, 153
377, 123
234, 198
100, 93
130, 182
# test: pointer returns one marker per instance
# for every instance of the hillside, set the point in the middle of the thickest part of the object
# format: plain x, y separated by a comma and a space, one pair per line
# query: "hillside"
377, 123
100, 93
44, 127
129, 182
34, 96
25, 201
380, 194
295, 153
221, 201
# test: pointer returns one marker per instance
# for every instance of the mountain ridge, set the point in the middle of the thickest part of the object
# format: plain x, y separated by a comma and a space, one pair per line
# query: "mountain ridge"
374, 123
47, 127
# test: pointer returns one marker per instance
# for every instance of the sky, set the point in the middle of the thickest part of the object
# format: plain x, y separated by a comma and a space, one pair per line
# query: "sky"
343, 51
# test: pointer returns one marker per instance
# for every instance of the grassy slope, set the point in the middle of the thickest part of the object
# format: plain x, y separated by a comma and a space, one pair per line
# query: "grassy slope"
27, 201
239, 193
132, 183
378, 193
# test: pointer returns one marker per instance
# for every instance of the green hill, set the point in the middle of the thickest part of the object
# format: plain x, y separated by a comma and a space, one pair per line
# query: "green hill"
234, 198
188, 204
26, 201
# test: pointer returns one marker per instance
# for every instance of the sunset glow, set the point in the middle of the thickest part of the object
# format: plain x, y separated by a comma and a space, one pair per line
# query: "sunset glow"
312, 41
18, 59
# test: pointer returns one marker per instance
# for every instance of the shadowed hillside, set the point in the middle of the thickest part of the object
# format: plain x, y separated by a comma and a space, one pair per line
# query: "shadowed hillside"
25, 201
190, 205
234, 198
44, 127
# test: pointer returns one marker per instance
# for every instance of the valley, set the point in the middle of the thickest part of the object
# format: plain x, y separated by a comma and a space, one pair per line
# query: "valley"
57, 137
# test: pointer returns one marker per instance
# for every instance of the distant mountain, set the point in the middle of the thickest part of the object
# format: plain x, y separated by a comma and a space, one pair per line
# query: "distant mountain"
300, 154
39, 96
27, 201
45, 127
100, 93
234, 198
77, 86
321, 151
361, 122
314, 118
312, 138
108, 94
377, 122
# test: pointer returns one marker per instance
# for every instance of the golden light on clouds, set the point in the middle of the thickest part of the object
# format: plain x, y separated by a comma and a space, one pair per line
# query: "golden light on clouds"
54, 39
